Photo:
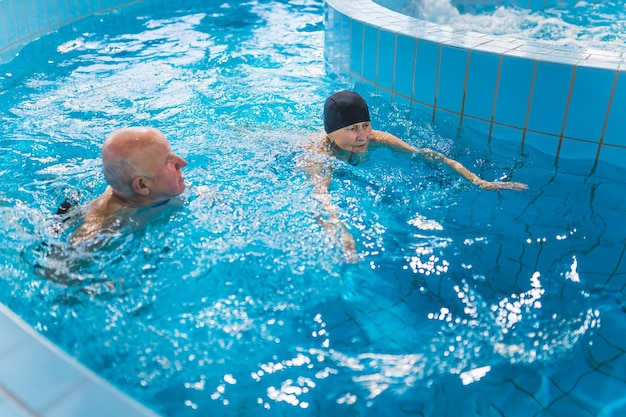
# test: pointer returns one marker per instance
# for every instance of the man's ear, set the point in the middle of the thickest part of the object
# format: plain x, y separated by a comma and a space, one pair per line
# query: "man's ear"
140, 186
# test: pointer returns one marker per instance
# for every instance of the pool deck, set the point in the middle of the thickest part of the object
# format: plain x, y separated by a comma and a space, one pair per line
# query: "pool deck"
39, 379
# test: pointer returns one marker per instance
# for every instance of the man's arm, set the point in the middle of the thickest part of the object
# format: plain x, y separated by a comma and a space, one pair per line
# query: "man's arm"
398, 144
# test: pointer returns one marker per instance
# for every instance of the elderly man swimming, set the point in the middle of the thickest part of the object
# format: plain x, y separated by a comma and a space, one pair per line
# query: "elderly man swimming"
141, 171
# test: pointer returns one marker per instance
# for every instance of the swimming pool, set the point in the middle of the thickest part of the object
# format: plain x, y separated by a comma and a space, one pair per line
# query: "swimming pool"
235, 300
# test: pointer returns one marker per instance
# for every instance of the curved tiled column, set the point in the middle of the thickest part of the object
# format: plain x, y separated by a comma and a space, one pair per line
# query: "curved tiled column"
569, 104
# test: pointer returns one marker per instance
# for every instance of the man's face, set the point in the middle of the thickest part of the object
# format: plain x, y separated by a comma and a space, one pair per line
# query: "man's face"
164, 170
353, 138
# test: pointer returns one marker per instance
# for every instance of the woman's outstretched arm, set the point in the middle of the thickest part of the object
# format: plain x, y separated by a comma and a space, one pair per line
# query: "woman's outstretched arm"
431, 155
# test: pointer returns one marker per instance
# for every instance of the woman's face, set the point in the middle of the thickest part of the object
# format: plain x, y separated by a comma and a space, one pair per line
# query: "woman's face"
353, 138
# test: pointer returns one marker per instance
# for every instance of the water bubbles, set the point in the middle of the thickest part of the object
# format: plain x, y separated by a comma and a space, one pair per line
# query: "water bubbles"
290, 391
348, 399
191, 404
198, 385
473, 375
572, 274
432, 265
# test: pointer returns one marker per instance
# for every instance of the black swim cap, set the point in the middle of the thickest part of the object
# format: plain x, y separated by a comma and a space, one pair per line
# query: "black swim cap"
343, 109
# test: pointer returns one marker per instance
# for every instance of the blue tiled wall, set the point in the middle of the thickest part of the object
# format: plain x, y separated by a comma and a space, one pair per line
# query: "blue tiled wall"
567, 103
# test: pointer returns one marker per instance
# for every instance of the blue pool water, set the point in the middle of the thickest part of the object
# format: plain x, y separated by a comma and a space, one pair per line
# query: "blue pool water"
234, 301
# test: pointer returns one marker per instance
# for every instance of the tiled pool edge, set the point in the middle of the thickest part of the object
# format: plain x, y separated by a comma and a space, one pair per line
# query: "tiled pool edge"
39, 379
568, 104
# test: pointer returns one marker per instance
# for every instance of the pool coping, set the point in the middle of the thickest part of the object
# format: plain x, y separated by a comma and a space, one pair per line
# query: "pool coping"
38, 379
372, 13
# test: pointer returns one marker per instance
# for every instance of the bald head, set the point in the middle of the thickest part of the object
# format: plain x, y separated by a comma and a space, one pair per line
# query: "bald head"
121, 154
137, 152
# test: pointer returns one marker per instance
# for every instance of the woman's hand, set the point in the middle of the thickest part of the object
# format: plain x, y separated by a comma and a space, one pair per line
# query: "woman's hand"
497, 186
